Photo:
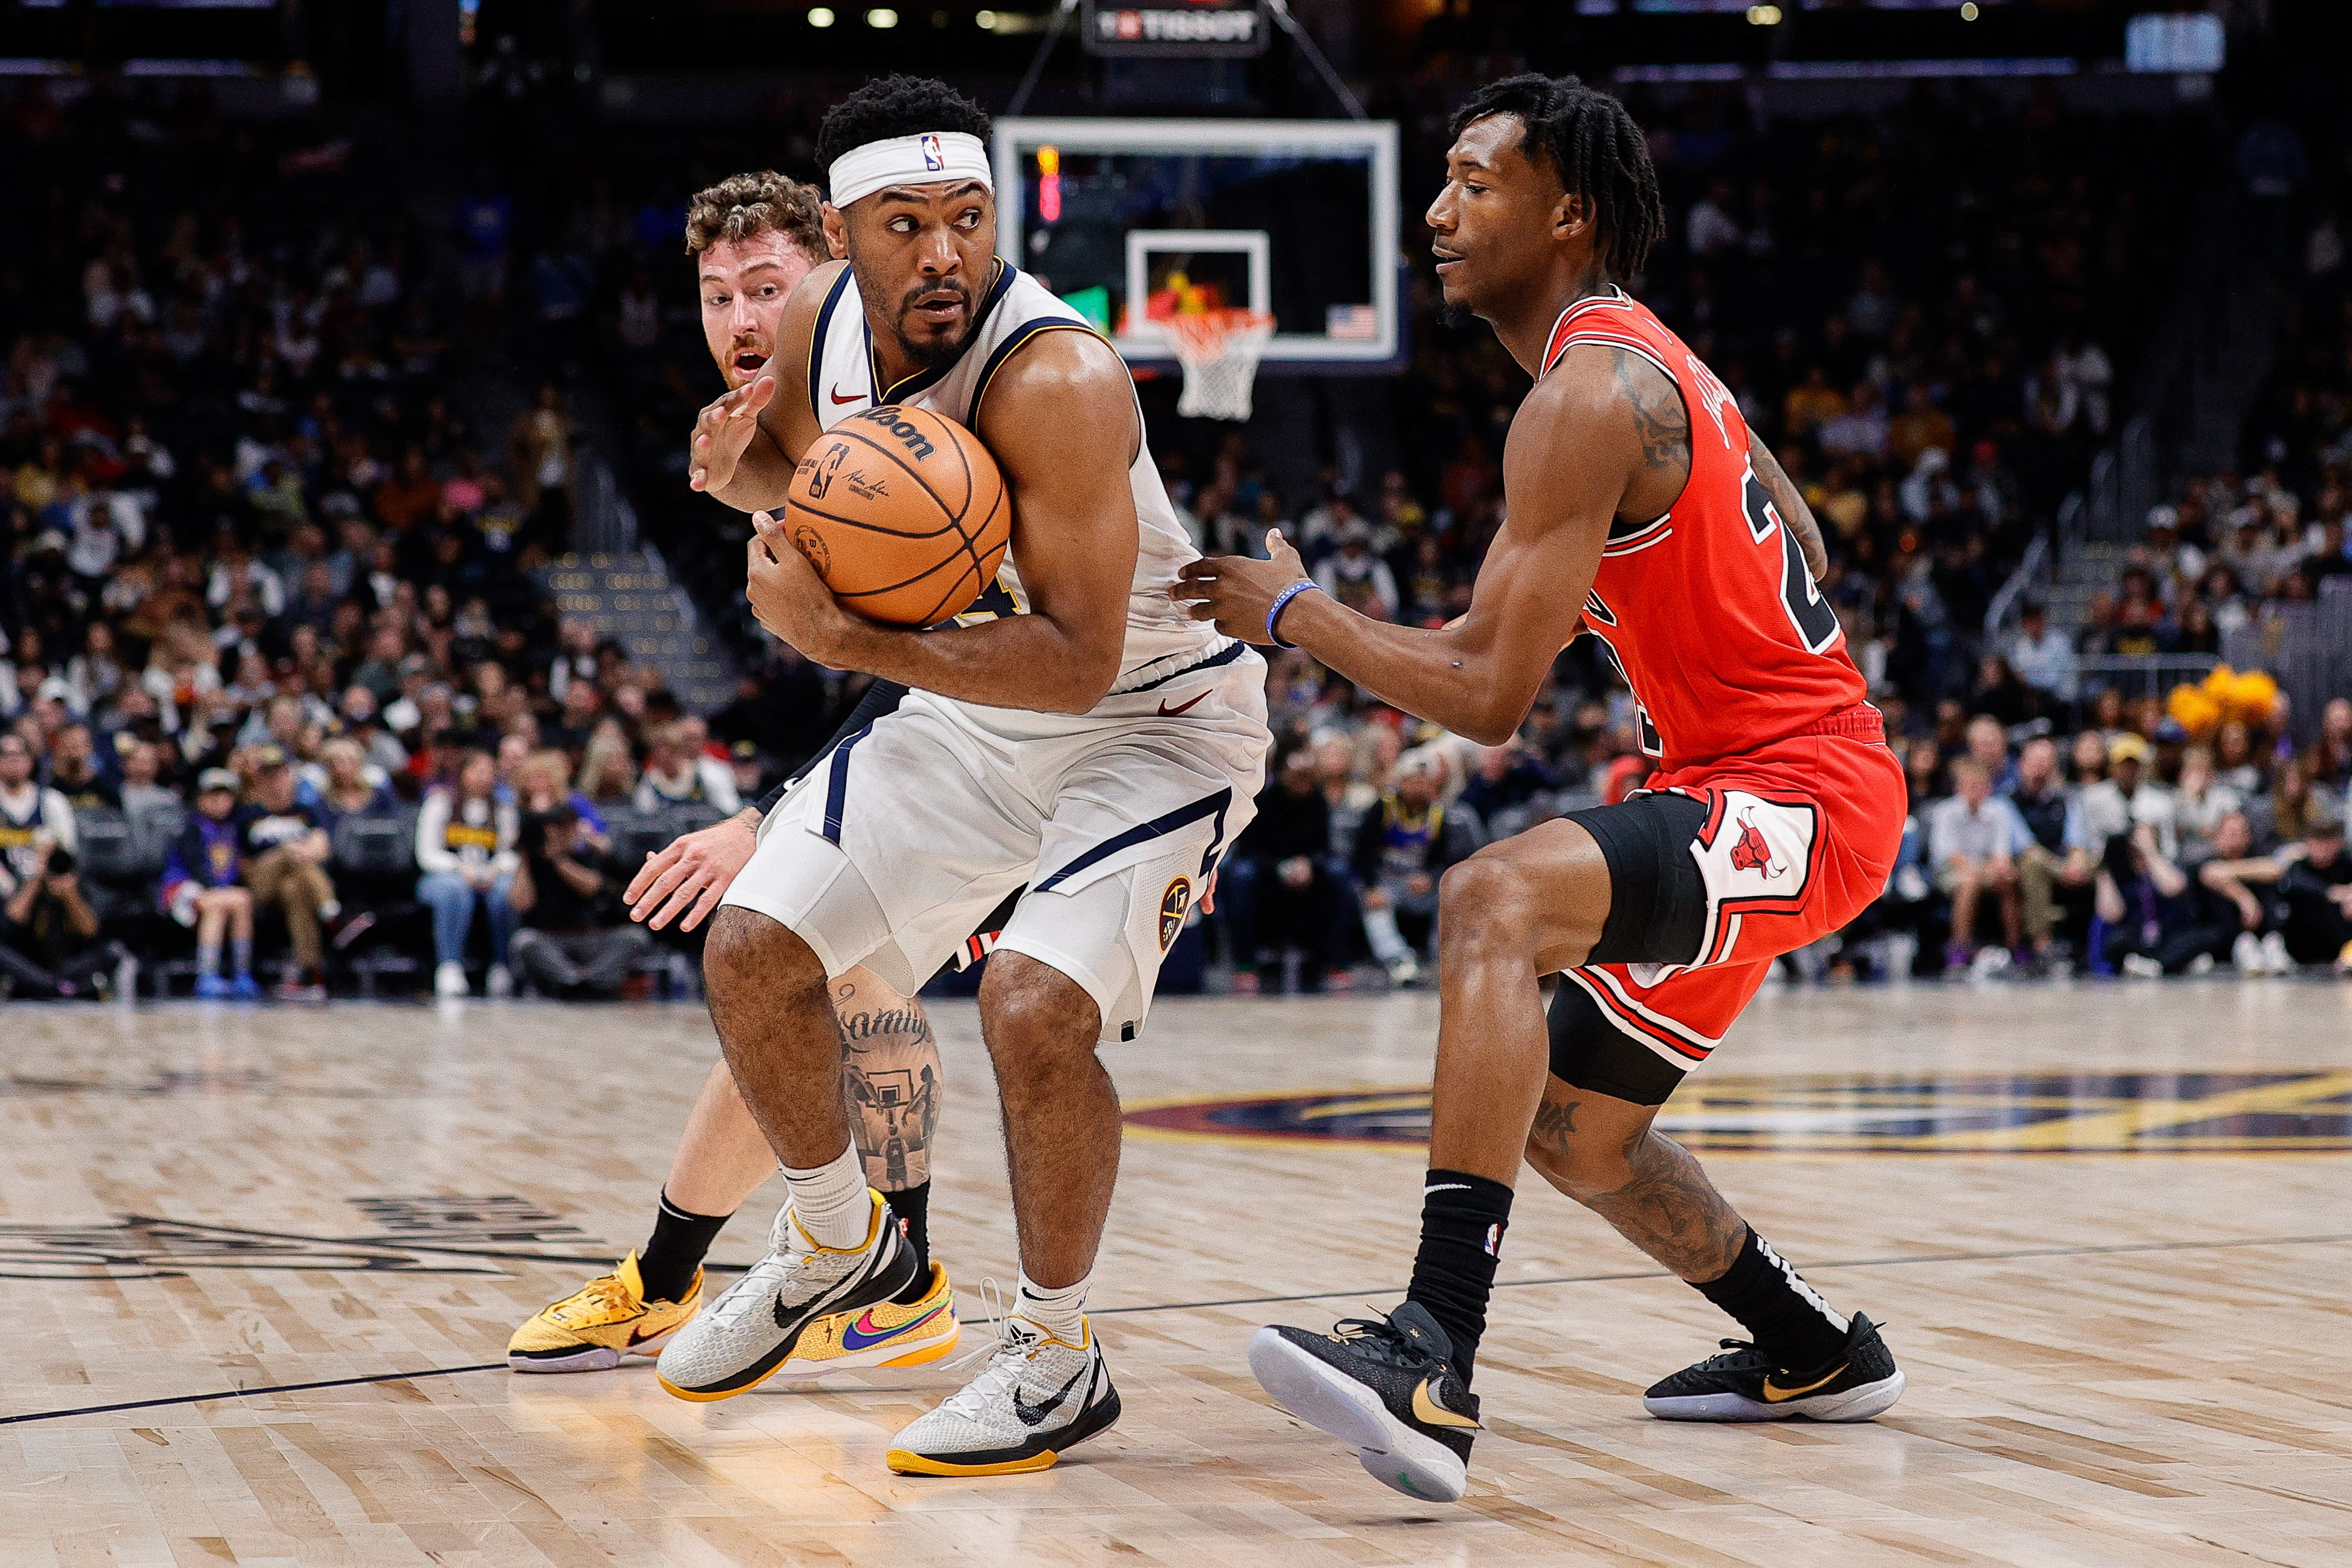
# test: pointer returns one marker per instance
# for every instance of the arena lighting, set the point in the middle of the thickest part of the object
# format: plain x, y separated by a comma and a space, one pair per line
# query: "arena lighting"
882, 16
820, 16
987, 20
1969, 12
1049, 184
1763, 16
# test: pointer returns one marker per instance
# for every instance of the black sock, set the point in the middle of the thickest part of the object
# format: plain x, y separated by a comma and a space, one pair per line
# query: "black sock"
913, 1208
675, 1250
1462, 1218
1786, 1316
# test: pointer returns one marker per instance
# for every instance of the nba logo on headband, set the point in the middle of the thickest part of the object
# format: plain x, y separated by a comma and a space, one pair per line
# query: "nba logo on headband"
934, 160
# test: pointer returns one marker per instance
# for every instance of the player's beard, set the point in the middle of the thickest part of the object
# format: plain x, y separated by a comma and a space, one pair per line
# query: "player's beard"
932, 353
1457, 318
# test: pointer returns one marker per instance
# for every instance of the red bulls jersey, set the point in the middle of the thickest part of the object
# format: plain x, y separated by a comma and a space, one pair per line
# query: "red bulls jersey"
1709, 610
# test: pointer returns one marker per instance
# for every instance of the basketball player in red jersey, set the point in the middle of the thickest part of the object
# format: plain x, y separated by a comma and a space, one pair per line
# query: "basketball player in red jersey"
1642, 511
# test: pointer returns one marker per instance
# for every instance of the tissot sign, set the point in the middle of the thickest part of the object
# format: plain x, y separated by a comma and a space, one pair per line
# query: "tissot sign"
1176, 28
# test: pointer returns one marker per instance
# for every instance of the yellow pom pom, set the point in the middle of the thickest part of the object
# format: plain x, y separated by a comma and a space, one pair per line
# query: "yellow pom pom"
2197, 710
2253, 697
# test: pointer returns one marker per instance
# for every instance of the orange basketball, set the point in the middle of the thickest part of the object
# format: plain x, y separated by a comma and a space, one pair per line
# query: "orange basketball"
903, 514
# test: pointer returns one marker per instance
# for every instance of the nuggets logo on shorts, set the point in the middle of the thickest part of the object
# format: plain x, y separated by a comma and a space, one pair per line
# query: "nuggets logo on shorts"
1172, 905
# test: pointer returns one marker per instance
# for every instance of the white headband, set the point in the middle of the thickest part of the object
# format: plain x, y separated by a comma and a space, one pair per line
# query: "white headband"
908, 160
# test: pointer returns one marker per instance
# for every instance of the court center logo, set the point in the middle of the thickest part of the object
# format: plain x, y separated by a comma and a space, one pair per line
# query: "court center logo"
2028, 1114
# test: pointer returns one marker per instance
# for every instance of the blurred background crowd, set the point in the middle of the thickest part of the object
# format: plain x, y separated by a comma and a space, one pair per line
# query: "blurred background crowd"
297, 447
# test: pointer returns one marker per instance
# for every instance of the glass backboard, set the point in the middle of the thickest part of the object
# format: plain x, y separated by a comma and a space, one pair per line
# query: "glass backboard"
1131, 220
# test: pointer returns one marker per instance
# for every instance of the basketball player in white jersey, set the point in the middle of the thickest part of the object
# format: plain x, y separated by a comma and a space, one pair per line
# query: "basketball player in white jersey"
753, 238
1075, 731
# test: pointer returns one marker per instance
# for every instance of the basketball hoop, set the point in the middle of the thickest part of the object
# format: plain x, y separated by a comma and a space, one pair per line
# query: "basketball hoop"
1220, 351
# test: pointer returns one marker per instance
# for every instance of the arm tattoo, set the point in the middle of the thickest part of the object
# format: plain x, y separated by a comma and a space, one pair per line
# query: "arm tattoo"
1659, 417
1671, 1211
891, 1065
1794, 512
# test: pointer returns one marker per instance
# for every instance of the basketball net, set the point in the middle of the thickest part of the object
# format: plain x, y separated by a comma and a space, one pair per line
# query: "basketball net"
1220, 351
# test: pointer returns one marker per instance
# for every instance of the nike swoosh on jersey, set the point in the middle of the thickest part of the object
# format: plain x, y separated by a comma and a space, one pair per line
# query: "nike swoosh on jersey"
864, 1332
1774, 1394
1168, 712
836, 397
1035, 1415
1429, 1413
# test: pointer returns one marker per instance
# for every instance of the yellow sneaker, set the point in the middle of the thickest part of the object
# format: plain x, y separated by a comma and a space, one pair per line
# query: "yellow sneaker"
885, 1334
596, 1325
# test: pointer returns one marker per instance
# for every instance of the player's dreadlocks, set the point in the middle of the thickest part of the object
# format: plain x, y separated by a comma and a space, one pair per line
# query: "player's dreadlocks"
1595, 148
895, 106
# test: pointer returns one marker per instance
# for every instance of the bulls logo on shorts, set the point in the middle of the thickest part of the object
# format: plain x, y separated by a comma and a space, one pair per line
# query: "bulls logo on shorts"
1756, 856
1751, 853
1172, 905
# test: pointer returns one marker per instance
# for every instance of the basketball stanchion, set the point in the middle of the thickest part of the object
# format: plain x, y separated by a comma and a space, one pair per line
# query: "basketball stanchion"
1220, 351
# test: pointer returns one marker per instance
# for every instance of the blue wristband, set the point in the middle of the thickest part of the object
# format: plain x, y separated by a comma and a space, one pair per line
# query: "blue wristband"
1273, 611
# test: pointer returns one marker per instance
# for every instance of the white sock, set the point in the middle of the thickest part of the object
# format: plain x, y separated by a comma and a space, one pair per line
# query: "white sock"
1060, 1311
830, 1201
1380, 934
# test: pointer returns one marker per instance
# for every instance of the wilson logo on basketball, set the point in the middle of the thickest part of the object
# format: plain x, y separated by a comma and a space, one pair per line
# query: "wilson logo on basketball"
1172, 905
909, 433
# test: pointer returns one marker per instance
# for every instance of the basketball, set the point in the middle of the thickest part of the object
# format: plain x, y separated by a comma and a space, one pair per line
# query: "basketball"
903, 515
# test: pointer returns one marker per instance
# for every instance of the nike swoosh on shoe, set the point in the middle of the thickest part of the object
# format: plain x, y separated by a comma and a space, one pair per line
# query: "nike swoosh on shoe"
1035, 1415
1775, 1395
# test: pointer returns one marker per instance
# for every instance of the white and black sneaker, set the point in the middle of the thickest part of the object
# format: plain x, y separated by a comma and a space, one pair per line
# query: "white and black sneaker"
1386, 1388
1037, 1396
738, 1340
1744, 1384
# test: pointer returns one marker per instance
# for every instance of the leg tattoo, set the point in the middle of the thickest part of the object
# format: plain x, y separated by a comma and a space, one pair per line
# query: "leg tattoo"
1671, 1211
890, 1060
1640, 1181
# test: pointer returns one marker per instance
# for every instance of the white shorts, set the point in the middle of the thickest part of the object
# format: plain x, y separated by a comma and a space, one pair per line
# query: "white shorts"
894, 847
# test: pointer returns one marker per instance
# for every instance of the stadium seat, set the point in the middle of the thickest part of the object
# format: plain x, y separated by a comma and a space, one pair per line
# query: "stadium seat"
375, 871
634, 837
691, 818
109, 847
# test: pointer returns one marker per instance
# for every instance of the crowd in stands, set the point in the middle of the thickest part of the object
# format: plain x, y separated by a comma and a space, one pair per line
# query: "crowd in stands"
271, 632
284, 695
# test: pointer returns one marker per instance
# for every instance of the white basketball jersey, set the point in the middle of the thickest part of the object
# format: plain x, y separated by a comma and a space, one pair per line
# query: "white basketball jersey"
843, 381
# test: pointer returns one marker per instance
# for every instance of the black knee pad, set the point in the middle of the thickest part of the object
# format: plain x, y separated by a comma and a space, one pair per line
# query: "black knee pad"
1590, 1052
1657, 900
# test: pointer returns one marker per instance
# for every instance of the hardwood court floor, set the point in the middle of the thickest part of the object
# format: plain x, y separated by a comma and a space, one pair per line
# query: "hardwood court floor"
2130, 1356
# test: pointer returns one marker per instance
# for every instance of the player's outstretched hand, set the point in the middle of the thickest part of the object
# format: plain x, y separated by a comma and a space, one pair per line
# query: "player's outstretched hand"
723, 431
1236, 590
691, 875
787, 596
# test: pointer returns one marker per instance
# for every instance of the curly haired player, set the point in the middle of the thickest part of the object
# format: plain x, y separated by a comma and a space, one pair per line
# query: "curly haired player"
753, 238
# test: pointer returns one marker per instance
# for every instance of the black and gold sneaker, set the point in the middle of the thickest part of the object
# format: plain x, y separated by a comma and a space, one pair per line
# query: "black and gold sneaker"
1385, 1388
1745, 1384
